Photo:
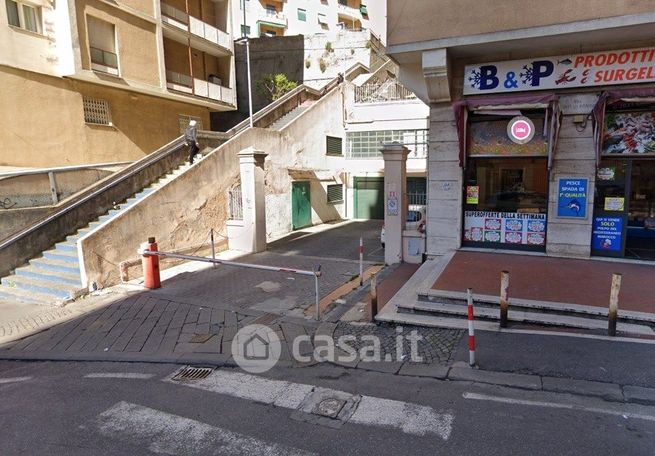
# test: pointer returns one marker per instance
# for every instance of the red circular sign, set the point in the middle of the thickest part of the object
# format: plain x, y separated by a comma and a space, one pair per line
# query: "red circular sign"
520, 129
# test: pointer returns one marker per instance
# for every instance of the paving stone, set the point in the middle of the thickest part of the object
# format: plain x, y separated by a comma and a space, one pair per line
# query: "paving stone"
532, 382
607, 391
639, 394
424, 370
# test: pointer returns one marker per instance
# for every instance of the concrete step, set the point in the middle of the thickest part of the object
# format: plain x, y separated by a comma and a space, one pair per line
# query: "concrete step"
446, 310
29, 297
551, 308
48, 275
55, 290
68, 257
66, 246
56, 266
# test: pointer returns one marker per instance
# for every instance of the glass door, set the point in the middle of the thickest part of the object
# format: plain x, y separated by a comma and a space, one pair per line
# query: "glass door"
611, 200
640, 236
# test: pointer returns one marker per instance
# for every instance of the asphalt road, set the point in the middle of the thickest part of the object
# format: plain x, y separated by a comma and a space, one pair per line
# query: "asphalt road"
83, 408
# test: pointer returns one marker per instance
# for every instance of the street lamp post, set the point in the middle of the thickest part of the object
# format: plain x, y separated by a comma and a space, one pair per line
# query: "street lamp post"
244, 38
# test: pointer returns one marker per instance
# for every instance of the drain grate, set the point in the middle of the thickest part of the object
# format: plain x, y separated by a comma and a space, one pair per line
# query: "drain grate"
192, 373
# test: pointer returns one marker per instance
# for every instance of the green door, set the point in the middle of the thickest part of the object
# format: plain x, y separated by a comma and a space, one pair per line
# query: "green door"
369, 197
301, 206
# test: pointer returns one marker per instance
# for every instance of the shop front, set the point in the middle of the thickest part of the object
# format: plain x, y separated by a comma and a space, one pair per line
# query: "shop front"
593, 194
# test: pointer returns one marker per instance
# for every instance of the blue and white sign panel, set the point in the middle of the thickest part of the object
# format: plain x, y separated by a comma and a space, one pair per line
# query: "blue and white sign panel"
572, 198
607, 234
564, 71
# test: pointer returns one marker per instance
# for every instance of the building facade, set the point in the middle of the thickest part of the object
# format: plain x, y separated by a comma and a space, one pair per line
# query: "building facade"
98, 81
542, 125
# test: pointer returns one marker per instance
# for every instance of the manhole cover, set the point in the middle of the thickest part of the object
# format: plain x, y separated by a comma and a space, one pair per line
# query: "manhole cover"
329, 407
200, 338
191, 373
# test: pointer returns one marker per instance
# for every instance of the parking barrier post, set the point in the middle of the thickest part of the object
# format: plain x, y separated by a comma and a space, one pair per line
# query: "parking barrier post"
613, 312
504, 298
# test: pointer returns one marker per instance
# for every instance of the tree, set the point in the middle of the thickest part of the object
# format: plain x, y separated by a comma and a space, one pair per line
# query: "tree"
273, 86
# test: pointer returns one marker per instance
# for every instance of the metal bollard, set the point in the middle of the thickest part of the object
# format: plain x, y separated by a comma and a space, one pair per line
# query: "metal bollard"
361, 261
211, 235
469, 298
374, 297
504, 298
613, 312
150, 263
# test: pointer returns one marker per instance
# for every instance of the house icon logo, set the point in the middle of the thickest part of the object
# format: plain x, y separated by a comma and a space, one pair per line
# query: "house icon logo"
256, 348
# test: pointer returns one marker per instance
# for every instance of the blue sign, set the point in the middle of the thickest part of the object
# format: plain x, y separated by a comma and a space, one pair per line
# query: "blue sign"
572, 198
607, 234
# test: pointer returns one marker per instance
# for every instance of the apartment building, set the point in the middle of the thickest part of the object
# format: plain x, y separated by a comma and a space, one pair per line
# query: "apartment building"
93, 81
303, 17
542, 123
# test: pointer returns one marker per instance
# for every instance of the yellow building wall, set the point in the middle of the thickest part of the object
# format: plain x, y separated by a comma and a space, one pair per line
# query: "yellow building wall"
421, 20
144, 6
49, 129
137, 42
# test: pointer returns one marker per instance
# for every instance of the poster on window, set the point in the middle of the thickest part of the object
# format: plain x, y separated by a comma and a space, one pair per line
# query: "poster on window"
607, 234
505, 228
629, 133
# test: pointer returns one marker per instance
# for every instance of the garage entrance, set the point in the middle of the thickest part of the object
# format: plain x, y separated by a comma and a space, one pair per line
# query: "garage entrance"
369, 197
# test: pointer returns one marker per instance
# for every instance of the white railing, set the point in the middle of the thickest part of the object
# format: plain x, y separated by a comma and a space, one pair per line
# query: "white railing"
386, 91
350, 11
181, 20
277, 17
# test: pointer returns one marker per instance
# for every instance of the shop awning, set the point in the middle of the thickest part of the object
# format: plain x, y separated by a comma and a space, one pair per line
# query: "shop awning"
508, 105
610, 97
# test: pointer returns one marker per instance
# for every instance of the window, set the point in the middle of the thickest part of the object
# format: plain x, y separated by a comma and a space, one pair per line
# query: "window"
367, 144
302, 15
322, 19
335, 193
96, 112
102, 46
334, 145
184, 122
23, 15
245, 30
271, 11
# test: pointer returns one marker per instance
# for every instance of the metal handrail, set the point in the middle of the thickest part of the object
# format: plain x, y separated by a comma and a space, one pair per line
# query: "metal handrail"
104, 185
61, 169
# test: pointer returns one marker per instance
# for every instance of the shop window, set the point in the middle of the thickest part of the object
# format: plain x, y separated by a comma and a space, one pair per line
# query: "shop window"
506, 186
97, 112
334, 145
102, 46
335, 193
24, 15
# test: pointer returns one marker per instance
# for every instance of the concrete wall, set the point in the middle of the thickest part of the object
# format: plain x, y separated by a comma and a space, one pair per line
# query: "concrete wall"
455, 18
181, 213
14, 220
49, 130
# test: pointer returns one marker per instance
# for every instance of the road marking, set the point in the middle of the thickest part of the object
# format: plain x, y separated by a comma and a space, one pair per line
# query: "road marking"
134, 375
556, 405
409, 418
166, 433
14, 379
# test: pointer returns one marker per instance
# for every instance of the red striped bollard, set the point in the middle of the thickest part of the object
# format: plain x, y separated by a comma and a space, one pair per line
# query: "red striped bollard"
469, 297
150, 263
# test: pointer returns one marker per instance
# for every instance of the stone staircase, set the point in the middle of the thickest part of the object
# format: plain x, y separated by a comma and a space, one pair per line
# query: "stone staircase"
54, 277
291, 115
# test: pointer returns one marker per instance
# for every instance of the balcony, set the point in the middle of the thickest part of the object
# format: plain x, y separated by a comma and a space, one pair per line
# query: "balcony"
198, 87
182, 21
104, 61
274, 18
349, 11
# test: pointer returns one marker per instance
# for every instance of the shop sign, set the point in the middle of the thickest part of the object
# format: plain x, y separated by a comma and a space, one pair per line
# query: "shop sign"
564, 71
580, 103
520, 130
614, 204
572, 198
505, 228
606, 174
472, 194
607, 233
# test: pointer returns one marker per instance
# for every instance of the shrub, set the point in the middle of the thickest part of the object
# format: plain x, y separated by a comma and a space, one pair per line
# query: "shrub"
273, 86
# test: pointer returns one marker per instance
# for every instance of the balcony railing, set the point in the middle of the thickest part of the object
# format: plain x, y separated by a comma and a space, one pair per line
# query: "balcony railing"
198, 87
349, 11
104, 61
379, 93
275, 17
183, 21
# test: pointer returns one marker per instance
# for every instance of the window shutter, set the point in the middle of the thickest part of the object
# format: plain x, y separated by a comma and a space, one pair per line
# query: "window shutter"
334, 193
334, 145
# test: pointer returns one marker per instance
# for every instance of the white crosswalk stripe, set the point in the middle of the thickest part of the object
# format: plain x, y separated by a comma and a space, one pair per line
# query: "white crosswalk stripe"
14, 379
173, 434
409, 418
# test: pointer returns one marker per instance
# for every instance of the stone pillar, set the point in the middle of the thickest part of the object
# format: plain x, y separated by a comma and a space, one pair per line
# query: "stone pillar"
253, 235
395, 200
